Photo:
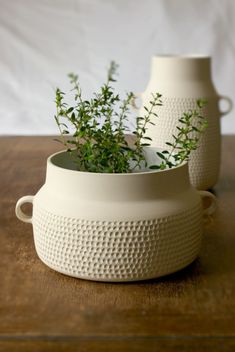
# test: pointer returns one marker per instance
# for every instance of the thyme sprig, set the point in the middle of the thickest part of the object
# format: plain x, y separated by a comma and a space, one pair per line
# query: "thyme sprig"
190, 127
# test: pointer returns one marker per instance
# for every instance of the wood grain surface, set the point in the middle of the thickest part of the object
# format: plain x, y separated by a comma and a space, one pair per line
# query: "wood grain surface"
41, 310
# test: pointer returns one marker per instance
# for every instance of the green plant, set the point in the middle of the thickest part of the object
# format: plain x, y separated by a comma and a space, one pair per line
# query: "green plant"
94, 131
191, 125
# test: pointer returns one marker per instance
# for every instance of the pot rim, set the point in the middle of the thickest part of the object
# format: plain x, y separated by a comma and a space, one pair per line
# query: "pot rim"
149, 172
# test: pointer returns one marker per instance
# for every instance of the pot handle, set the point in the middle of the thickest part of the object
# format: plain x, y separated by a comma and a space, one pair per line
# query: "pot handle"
212, 206
19, 213
230, 105
133, 101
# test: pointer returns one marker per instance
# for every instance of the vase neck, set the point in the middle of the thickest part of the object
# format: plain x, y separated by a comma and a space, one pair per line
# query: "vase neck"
183, 68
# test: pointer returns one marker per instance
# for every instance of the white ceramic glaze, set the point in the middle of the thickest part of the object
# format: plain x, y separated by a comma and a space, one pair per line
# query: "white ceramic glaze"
182, 80
116, 227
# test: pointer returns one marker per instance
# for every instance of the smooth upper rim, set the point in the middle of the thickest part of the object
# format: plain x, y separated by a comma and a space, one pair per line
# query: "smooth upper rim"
183, 56
109, 174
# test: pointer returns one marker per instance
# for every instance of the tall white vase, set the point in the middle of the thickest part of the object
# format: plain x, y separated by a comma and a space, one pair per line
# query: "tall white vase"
182, 80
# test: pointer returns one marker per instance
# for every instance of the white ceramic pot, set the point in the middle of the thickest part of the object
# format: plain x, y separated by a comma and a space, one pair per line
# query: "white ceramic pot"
182, 80
115, 227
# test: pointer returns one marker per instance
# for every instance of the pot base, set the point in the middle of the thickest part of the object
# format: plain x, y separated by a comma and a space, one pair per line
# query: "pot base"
118, 250
88, 278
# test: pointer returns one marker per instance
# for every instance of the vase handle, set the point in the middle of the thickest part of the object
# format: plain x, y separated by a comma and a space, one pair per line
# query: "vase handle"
19, 213
133, 101
230, 105
212, 206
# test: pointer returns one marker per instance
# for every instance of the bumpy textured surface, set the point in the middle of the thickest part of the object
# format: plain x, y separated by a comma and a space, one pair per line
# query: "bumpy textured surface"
205, 161
119, 250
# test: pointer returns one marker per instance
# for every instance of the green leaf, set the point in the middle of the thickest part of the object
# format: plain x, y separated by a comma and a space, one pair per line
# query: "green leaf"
73, 117
70, 110
63, 124
162, 156
154, 167
162, 166
201, 103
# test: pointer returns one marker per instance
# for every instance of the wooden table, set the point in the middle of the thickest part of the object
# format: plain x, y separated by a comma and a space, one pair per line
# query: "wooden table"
41, 310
